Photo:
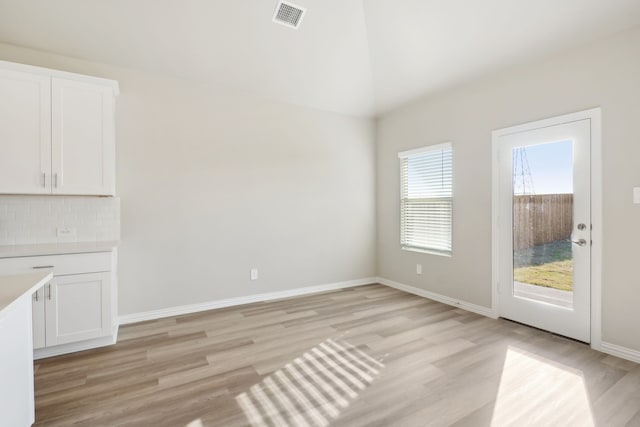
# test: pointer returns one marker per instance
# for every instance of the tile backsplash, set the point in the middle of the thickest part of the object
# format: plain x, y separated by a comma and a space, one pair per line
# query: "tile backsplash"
36, 219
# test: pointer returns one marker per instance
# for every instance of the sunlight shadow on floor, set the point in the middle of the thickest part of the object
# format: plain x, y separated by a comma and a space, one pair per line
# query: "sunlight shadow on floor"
312, 389
537, 391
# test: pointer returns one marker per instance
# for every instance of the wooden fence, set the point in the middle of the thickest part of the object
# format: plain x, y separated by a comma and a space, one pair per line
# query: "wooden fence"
539, 219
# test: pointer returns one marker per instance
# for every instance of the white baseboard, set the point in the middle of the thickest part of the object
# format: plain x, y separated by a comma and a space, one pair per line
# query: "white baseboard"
42, 353
229, 302
485, 311
619, 351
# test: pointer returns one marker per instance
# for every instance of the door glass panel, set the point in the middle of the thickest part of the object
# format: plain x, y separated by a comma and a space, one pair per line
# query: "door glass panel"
542, 223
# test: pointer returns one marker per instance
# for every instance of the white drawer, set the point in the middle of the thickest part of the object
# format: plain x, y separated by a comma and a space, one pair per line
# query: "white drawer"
61, 265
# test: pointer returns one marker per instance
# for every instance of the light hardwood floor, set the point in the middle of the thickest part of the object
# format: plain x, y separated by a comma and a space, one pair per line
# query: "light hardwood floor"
365, 356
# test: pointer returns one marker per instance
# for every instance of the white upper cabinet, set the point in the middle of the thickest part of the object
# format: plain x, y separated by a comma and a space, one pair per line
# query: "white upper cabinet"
83, 144
57, 132
25, 133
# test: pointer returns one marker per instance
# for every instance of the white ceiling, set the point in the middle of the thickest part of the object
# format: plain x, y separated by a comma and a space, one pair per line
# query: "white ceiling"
360, 57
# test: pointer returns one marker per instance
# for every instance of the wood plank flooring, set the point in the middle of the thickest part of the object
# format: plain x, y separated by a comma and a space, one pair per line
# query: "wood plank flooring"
365, 356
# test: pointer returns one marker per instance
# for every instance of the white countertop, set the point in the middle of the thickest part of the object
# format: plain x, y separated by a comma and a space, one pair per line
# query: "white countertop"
12, 251
15, 286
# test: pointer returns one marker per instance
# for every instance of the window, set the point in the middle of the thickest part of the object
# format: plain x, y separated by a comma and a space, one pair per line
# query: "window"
426, 176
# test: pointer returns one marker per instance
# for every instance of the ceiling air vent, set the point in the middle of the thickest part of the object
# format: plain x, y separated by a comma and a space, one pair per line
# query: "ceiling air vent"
289, 14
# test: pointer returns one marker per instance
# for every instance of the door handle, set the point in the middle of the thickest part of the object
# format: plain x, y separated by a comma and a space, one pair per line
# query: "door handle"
581, 242
49, 287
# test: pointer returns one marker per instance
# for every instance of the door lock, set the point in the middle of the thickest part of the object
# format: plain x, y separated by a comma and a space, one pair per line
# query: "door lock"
582, 227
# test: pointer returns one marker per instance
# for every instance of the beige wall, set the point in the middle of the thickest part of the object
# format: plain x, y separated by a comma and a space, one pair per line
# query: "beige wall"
606, 74
214, 184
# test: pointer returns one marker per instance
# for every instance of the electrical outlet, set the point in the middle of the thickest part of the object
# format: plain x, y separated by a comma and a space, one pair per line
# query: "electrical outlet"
66, 232
418, 268
636, 195
254, 274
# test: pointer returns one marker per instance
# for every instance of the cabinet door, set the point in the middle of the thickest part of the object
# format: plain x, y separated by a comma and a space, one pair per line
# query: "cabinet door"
83, 141
25, 133
38, 318
78, 307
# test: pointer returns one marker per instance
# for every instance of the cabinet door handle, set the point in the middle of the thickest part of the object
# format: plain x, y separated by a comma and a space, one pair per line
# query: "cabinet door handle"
42, 266
44, 179
55, 177
37, 292
49, 285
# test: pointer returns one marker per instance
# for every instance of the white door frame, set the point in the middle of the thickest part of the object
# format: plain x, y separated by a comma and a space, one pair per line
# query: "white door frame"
595, 116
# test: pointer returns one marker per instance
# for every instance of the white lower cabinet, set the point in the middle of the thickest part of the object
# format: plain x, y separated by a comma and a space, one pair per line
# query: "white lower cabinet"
72, 308
76, 309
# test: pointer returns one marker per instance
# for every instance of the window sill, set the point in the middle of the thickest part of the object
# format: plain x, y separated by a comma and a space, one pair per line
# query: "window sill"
427, 251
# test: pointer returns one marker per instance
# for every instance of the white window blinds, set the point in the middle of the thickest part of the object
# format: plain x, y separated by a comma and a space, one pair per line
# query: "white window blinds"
426, 176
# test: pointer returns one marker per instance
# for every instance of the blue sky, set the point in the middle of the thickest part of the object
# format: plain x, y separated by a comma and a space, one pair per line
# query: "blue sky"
551, 167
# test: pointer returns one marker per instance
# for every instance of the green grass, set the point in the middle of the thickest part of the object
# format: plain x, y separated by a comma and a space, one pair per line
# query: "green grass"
556, 275
549, 265
560, 250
